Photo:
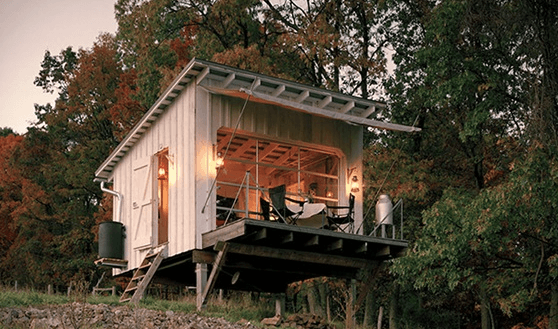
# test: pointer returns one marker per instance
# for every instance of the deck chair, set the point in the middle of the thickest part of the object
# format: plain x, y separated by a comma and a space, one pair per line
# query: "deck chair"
279, 207
225, 210
264, 205
342, 217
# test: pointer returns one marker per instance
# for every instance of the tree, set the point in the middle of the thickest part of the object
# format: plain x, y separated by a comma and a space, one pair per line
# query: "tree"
58, 157
471, 71
10, 195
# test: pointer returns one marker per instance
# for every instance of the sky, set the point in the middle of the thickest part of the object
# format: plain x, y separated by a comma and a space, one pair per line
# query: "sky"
27, 29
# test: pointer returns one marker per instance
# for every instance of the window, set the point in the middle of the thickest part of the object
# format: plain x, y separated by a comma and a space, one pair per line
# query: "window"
252, 165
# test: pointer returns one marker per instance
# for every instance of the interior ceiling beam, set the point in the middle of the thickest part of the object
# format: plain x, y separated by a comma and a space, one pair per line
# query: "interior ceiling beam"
267, 151
243, 148
222, 144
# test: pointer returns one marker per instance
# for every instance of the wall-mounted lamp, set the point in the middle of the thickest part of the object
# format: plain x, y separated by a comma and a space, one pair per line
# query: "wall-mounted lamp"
329, 194
162, 173
355, 186
219, 161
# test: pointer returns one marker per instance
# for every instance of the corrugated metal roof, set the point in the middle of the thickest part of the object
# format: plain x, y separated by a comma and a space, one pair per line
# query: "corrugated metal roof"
260, 88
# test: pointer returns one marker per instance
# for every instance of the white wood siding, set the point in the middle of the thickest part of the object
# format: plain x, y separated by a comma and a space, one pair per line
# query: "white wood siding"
174, 130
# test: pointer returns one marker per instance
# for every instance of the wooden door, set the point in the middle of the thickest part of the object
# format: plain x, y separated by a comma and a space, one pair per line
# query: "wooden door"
142, 203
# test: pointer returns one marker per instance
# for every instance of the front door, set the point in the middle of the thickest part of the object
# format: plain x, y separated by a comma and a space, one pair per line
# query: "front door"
142, 204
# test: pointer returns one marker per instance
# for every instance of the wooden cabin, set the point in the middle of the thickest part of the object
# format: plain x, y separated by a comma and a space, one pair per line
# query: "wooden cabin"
191, 177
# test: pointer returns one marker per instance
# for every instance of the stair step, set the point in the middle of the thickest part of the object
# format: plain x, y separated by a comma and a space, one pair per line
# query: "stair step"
131, 289
138, 278
144, 266
125, 300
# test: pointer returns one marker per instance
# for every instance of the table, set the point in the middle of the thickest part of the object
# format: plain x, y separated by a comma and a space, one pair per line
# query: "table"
313, 214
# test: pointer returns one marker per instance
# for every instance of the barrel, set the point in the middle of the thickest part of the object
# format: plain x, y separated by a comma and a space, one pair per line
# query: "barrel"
111, 240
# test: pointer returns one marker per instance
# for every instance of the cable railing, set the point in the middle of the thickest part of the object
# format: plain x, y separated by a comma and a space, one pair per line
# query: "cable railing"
386, 227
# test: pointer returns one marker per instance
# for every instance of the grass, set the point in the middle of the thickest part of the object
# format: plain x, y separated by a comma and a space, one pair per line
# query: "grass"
233, 309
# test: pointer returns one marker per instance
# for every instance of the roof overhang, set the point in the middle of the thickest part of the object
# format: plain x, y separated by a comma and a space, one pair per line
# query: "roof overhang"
225, 80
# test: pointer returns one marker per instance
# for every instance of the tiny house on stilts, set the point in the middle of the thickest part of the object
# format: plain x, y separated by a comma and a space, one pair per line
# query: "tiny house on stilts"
238, 180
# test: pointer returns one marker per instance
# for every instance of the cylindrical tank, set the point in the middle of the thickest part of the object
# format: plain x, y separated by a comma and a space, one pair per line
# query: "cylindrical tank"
111, 240
384, 210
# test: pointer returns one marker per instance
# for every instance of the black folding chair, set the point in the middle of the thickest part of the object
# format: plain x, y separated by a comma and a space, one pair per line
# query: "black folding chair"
265, 207
225, 210
342, 217
285, 215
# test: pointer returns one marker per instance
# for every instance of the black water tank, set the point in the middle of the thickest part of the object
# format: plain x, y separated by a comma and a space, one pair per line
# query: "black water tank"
111, 240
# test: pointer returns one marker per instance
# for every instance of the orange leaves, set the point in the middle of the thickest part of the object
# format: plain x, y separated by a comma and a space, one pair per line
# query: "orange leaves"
126, 111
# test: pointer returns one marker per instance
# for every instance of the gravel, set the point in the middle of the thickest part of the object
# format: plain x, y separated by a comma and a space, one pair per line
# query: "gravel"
80, 315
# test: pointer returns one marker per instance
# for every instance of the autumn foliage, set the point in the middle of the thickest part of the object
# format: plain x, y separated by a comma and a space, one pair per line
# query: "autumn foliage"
479, 182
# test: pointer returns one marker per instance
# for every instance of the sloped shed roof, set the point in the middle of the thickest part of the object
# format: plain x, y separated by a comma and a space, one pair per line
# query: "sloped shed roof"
235, 82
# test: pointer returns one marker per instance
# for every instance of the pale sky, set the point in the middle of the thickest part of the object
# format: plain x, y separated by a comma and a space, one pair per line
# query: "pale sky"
27, 29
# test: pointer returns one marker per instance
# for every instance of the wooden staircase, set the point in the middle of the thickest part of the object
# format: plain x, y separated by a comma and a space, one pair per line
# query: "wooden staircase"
142, 276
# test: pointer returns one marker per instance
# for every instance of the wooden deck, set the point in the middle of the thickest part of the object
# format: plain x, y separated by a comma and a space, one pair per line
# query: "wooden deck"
266, 256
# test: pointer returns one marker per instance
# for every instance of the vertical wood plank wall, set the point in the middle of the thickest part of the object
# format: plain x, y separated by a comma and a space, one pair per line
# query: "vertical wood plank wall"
174, 130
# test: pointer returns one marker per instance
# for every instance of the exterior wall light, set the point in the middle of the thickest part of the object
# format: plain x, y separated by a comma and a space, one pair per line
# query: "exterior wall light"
355, 186
162, 174
219, 161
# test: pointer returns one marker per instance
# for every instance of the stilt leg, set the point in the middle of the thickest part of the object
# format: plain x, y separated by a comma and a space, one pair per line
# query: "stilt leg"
279, 305
201, 282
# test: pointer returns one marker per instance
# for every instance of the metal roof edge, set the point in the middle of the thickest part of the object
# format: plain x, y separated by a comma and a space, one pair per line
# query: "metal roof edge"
198, 70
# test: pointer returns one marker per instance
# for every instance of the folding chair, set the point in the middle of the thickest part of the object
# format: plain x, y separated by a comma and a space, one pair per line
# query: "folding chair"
225, 210
278, 196
264, 205
342, 217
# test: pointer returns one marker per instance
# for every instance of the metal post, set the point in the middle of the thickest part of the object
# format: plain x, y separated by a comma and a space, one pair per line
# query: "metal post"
201, 282
247, 194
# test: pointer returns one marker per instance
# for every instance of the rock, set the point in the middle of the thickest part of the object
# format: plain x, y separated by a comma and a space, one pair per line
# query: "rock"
307, 321
274, 321
105, 316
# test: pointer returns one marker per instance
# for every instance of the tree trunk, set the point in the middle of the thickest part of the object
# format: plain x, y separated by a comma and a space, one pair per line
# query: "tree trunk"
393, 304
380, 315
350, 307
368, 311
485, 309
328, 306
321, 289
553, 317
311, 296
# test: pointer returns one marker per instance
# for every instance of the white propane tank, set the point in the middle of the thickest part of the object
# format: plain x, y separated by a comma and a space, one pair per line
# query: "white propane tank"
384, 210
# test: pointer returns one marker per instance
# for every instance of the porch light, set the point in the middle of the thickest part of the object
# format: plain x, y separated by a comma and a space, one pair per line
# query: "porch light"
355, 186
162, 173
219, 161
